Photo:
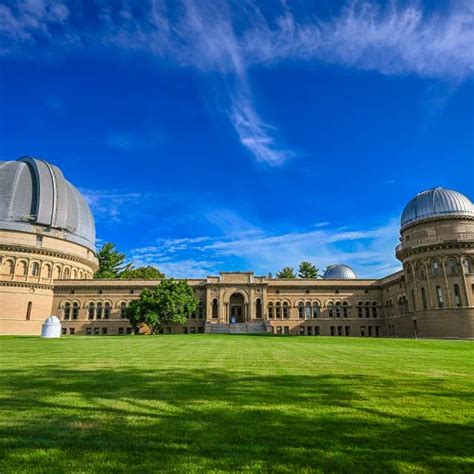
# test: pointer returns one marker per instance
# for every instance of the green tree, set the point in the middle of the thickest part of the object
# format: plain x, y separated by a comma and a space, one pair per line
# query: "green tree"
111, 262
307, 270
143, 273
170, 302
286, 272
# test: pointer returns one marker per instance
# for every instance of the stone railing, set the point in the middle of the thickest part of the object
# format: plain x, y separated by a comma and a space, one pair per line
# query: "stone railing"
441, 239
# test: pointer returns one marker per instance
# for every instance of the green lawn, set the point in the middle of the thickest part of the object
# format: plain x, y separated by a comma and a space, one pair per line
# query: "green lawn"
194, 403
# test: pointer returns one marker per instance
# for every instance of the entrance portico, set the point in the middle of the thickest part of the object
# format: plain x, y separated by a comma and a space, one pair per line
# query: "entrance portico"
237, 308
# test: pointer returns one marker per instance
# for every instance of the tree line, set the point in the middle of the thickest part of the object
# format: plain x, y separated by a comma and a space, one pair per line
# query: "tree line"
306, 270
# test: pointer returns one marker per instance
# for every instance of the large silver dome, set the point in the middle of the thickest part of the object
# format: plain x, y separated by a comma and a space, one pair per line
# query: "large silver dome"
34, 193
339, 272
436, 202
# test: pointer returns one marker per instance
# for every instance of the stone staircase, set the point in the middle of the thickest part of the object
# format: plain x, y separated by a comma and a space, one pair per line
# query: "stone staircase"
237, 328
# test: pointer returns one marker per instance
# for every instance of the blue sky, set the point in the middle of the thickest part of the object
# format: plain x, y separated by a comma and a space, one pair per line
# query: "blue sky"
225, 135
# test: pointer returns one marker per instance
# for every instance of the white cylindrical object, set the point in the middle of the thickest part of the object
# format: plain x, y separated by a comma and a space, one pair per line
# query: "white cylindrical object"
51, 328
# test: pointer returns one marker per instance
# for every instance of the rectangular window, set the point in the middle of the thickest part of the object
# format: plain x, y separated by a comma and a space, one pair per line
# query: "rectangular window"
377, 331
316, 330
439, 295
333, 330
192, 330
348, 330
286, 330
120, 331
339, 330
72, 331
64, 331
129, 330
369, 328
302, 331
200, 329
362, 331
309, 331
88, 331
104, 331
96, 331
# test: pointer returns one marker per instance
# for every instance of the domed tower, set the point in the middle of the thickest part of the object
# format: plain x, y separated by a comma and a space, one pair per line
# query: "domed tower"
339, 272
47, 233
437, 253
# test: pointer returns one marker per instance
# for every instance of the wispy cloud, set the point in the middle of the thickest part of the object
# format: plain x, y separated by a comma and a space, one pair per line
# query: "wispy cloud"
370, 252
230, 39
133, 142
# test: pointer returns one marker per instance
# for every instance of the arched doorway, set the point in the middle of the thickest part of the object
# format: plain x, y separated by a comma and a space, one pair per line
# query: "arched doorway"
237, 308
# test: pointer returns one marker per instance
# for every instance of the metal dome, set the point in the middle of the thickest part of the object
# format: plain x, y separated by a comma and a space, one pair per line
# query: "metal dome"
34, 193
436, 202
339, 272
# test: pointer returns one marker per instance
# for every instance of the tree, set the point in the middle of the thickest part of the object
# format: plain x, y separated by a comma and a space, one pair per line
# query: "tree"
307, 270
111, 262
143, 273
170, 302
286, 272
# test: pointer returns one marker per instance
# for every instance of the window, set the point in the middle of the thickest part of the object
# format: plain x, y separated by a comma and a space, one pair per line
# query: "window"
88, 331
308, 311
309, 331
367, 310
67, 273
107, 311
413, 299
129, 330
99, 311
9, 267
300, 310
35, 269
286, 313
423, 298
63, 331
67, 311
91, 311
377, 331
316, 330
362, 331
439, 296
338, 310
345, 309
457, 296
201, 310
467, 266
123, 310
315, 310
359, 309
347, 330
333, 330
301, 330
28, 310
339, 330
369, 329
278, 310
72, 331
330, 309
453, 268
270, 311
436, 268
200, 330
120, 331
22, 268
215, 308
374, 309
96, 331
104, 331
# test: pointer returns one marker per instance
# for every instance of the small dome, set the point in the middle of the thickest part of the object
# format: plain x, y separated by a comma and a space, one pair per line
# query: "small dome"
436, 202
52, 321
339, 272
34, 193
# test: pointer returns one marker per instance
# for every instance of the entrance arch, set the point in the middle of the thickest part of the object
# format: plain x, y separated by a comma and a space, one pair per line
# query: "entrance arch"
237, 308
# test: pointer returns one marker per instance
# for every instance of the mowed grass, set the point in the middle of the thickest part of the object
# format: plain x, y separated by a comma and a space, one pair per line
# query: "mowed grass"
201, 403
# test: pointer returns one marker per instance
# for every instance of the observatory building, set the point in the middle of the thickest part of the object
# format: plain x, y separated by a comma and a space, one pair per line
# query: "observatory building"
48, 260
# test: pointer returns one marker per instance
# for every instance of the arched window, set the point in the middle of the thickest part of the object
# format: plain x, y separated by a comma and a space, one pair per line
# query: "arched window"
270, 310
457, 296
453, 266
374, 309
338, 309
286, 313
278, 310
99, 311
345, 309
423, 298
315, 310
301, 310
46, 271
8, 267
409, 272
22, 269
75, 310
201, 310
367, 310
400, 305
67, 311
67, 273
421, 271
123, 309
359, 309
331, 309
107, 310
436, 268
439, 297
35, 269
74, 274
467, 265
57, 273
215, 308
28, 310
307, 311
91, 311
